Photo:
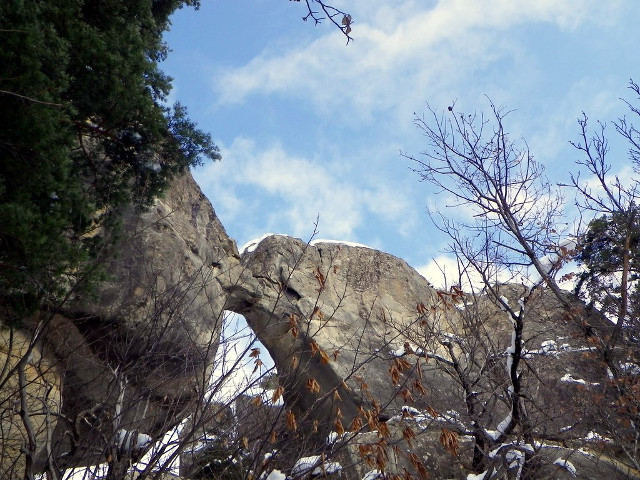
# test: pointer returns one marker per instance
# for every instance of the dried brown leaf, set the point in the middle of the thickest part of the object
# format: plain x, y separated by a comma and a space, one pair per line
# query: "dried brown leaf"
291, 422
408, 434
277, 393
406, 395
312, 385
449, 441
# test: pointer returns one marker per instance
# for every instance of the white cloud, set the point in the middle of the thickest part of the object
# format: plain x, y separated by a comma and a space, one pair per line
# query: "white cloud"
443, 271
401, 53
296, 190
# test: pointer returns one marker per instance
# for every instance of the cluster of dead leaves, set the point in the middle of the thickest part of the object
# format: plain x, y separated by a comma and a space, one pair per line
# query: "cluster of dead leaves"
316, 350
449, 441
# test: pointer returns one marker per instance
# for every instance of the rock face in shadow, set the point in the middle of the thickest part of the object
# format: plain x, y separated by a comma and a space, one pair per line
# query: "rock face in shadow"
38, 377
137, 356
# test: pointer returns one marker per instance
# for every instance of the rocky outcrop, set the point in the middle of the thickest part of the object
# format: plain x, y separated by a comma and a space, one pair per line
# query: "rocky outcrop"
356, 334
145, 345
30, 398
135, 357
331, 317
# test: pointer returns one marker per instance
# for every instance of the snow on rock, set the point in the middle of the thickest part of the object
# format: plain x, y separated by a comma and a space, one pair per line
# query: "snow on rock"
251, 245
305, 465
339, 242
569, 379
477, 476
334, 437
314, 466
548, 346
411, 410
127, 441
329, 468
503, 301
596, 437
454, 338
630, 368
567, 465
276, 475
269, 455
406, 349
373, 475
516, 460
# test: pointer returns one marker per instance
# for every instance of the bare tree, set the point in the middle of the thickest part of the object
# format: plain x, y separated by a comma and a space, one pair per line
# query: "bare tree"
609, 253
505, 231
318, 10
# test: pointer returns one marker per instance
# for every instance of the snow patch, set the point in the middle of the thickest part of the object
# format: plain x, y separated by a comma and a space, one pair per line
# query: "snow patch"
406, 349
477, 476
251, 245
127, 441
334, 437
596, 437
630, 368
305, 465
453, 338
339, 242
567, 378
276, 475
567, 465
373, 475
503, 301
548, 346
314, 466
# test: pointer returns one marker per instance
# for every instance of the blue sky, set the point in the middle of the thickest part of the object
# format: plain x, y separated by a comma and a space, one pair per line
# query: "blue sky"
308, 126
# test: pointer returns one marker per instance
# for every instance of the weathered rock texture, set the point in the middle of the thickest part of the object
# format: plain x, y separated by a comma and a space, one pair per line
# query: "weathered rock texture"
29, 395
331, 314
356, 335
138, 356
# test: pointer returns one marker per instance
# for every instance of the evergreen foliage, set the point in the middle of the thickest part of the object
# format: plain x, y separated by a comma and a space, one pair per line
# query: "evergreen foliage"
608, 239
84, 131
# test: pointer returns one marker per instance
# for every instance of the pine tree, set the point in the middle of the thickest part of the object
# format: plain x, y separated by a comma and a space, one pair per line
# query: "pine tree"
84, 130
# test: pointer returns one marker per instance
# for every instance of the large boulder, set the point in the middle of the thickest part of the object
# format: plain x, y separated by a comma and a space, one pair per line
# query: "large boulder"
142, 350
333, 318
134, 358
357, 335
